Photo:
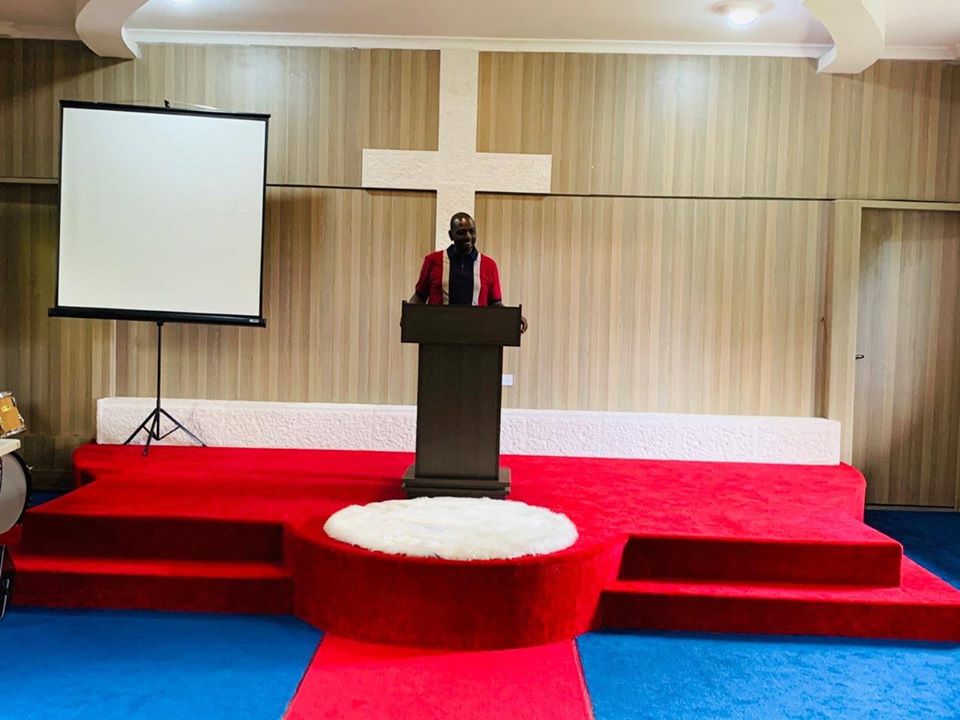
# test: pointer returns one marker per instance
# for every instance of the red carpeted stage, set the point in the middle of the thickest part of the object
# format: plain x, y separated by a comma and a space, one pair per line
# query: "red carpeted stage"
663, 545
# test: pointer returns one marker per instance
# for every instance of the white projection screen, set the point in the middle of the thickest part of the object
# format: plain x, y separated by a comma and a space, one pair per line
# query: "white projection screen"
161, 214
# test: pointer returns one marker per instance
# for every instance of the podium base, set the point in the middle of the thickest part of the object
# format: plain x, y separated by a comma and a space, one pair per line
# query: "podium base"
456, 487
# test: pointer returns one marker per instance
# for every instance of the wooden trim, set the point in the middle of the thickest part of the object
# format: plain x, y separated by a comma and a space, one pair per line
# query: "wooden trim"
867, 203
842, 285
909, 205
28, 181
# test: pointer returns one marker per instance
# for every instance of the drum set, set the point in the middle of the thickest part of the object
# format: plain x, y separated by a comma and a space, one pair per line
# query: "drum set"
15, 488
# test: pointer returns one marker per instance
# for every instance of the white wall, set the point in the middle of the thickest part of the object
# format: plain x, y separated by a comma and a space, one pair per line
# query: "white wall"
788, 440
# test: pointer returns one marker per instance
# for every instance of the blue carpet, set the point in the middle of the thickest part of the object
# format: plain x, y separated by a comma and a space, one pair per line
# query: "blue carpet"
38, 497
677, 676
101, 665
929, 538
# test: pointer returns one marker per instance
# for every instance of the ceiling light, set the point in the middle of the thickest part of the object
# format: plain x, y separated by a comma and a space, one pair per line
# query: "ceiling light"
743, 16
742, 12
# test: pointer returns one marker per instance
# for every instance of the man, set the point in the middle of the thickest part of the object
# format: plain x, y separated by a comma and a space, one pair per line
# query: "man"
460, 275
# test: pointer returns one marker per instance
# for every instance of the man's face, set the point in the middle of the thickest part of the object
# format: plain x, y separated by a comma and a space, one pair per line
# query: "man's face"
463, 233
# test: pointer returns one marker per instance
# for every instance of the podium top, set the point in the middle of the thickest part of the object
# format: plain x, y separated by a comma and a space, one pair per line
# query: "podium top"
460, 325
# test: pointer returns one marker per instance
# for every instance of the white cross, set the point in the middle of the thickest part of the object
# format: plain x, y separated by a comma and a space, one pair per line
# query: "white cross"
456, 170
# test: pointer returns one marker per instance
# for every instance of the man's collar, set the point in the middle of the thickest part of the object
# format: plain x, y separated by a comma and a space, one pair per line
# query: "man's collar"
453, 255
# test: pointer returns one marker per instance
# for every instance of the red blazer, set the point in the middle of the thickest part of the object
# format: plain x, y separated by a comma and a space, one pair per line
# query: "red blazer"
439, 281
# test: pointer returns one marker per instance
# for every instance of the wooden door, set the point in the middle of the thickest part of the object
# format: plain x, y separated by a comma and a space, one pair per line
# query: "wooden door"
907, 401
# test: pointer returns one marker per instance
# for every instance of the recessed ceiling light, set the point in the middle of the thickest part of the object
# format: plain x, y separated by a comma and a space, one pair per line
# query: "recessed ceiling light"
742, 12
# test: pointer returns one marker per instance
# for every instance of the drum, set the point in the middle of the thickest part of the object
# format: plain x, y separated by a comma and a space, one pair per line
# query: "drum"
11, 421
14, 490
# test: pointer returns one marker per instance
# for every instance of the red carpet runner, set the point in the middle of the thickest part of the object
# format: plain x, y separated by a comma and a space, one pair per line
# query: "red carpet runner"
348, 679
666, 545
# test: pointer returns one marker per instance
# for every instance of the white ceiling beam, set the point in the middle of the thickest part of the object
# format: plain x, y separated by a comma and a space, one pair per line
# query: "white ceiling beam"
421, 42
858, 28
100, 25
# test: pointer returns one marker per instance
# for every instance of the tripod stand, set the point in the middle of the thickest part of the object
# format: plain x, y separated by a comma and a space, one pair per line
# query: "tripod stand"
152, 422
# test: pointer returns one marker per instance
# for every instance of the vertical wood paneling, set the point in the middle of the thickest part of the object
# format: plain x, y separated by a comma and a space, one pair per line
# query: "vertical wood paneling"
704, 306
907, 421
618, 124
326, 104
786, 117
947, 169
725, 126
889, 127
337, 265
55, 368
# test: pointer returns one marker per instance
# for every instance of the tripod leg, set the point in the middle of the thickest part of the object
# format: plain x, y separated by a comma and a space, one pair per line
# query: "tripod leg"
6, 590
180, 426
6, 582
153, 433
137, 431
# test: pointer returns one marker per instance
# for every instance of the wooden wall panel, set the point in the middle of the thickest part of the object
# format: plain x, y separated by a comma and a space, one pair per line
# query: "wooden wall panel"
726, 126
702, 306
615, 124
634, 304
326, 104
907, 417
619, 124
337, 265
55, 368
690, 300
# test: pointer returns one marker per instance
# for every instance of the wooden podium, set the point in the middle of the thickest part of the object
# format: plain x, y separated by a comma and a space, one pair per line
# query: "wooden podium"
458, 398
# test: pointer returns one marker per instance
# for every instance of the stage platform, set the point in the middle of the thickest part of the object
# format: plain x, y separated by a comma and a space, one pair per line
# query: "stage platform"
663, 545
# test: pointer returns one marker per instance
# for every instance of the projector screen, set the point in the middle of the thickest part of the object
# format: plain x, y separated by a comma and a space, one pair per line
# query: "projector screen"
161, 214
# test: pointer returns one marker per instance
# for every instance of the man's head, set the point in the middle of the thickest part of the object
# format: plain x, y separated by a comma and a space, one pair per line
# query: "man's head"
463, 233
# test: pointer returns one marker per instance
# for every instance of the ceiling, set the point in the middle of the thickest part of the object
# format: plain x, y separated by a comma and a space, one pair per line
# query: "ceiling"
928, 23
674, 20
57, 15
923, 22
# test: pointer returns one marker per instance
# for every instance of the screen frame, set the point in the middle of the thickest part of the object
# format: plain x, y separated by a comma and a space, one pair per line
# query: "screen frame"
97, 313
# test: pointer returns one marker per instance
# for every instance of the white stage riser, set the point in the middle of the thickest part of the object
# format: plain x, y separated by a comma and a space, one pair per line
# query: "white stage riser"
657, 436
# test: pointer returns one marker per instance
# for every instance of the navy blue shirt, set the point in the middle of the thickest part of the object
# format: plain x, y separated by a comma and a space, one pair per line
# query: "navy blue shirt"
461, 276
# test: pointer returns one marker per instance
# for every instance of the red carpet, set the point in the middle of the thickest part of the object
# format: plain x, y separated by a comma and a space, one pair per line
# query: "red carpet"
674, 545
353, 680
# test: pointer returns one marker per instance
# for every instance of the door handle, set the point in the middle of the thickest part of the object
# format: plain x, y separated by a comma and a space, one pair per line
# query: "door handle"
858, 356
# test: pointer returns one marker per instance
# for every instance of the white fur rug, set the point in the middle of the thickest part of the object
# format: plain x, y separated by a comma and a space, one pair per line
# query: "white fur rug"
453, 528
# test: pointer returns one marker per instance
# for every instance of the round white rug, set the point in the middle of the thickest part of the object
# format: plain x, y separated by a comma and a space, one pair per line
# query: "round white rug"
453, 528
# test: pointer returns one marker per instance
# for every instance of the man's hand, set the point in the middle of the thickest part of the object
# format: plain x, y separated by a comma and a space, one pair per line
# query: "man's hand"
523, 320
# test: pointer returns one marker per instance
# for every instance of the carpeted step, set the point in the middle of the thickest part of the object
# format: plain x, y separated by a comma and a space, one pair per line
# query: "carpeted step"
91, 582
48, 532
923, 607
851, 554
